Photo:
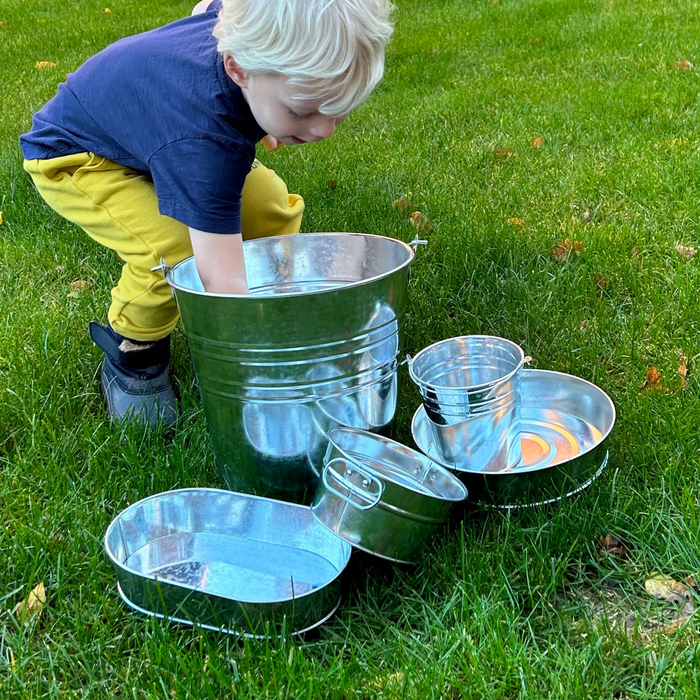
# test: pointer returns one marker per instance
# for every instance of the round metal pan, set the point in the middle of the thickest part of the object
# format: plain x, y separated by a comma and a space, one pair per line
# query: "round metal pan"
565, 423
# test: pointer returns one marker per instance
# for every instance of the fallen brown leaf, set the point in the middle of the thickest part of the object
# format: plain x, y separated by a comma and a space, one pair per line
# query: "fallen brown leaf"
653, 380
77, 287
666, 588
563, 249
332, 184
32, 605
513, 221
402, 204
80, 285
611, 545
502, 152
583, 325
635, 252
683, 370
692, 583
601, 282
419, 221
106, 11
683, 65
685, 252
4, 24
537, 143
44, 64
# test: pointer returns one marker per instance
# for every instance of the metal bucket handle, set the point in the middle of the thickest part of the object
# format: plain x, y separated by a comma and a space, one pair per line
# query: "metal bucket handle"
372, 499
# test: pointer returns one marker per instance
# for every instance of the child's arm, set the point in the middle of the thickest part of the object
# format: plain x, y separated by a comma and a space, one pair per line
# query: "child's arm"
220, 262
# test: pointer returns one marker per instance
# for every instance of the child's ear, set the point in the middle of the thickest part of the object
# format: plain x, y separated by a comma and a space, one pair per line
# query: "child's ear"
235, 72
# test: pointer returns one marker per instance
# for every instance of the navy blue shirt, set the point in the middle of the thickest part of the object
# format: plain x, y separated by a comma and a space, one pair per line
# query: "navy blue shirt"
160, 102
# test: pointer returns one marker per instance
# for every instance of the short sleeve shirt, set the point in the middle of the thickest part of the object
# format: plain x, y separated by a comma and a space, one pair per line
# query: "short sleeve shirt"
160, 102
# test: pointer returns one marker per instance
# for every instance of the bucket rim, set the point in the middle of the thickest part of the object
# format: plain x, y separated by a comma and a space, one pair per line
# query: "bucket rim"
474, 387
168, 272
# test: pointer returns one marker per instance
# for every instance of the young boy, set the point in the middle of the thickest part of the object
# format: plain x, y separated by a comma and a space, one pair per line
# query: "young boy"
150, 148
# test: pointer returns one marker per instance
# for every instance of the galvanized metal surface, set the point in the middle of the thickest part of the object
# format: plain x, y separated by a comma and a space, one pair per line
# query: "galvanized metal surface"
565, 423
314, 346
227, 561
470, 387
381, 496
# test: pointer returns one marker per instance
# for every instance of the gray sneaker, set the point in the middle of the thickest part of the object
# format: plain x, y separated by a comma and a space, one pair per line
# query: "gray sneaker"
135, 381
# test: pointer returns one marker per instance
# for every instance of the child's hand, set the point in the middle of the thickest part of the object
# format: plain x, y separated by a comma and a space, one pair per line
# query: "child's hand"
270, 142
220, 262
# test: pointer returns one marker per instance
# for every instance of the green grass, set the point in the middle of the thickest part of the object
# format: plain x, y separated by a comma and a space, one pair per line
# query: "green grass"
505, 604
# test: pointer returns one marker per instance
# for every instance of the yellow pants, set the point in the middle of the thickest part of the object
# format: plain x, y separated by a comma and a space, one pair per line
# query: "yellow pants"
118, 207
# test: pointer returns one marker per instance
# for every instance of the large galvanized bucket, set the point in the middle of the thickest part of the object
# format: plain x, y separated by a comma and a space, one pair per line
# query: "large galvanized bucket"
314, 346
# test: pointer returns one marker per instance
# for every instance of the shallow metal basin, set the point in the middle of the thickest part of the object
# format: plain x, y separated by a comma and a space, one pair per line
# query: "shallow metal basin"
228, 561
565, 423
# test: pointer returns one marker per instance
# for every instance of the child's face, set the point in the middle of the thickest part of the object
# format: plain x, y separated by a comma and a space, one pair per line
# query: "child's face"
272, 101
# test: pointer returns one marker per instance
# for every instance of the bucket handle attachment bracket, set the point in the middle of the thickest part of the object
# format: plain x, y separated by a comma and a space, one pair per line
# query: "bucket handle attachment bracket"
369, 493
163, 267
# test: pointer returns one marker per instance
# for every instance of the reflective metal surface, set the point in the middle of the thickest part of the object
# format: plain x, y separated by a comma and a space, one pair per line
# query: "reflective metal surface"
227, 561
381, 496
565, 422
314, 346
470, 386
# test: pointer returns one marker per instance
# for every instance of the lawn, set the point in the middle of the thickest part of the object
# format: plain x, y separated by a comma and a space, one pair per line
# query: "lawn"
512, 126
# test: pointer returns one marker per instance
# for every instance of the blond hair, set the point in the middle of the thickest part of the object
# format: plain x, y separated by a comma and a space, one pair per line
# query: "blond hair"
334, 49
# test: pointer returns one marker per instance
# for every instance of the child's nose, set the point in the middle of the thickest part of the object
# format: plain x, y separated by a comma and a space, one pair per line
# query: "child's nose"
323, 127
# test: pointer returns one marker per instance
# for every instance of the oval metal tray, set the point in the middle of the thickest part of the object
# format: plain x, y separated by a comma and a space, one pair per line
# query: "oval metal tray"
227, 561
565, 423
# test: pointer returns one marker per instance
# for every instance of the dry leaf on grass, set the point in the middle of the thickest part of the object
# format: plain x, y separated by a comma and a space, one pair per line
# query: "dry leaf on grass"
683, 65
666, 588
513, 221
601, 282
32, 605
537, 143
653, 381
1, 218
106, 11
683, 370
332, 184
563, 249
419, 221
401, 204
502, 152
4, 24
44, 64
614, 546
583, 325
78, 286
685, 252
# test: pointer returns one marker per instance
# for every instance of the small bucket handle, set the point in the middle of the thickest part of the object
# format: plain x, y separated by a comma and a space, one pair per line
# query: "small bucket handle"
371, 498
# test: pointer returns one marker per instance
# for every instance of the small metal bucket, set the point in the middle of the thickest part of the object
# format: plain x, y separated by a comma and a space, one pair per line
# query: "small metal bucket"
381, 496
470, 387
314, 346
